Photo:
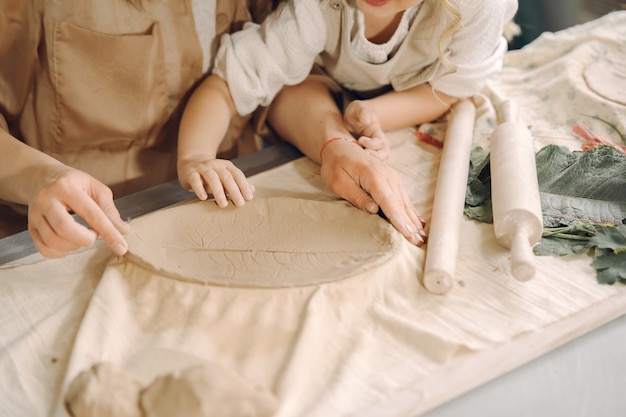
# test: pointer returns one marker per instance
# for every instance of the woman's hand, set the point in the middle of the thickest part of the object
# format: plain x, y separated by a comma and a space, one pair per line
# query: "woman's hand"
361, 120
370, 185
54, 231
219, 177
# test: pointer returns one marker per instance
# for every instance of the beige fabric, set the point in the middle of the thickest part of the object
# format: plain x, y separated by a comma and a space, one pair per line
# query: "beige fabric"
374, 335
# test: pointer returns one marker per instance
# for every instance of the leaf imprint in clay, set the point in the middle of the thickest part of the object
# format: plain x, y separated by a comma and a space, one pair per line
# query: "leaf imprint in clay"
273, 242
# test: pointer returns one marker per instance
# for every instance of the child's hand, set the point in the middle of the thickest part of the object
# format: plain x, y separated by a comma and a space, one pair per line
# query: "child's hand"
219, 177
361, 120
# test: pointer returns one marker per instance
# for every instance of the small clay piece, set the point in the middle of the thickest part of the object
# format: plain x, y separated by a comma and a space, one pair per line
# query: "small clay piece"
206, 391
104, 390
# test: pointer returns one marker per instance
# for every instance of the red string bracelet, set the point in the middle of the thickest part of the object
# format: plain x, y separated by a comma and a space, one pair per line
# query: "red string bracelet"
331, 140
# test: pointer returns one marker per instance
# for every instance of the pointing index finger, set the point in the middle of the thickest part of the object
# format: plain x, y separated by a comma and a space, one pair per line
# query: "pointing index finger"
100, 222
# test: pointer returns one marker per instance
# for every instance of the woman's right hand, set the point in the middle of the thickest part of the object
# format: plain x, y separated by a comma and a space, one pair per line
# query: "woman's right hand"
54, 231
219, 177
369, 184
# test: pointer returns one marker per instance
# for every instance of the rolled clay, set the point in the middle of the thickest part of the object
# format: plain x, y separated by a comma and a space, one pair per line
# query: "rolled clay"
449, 200
206, 391
269, 243
104, 390
515, 197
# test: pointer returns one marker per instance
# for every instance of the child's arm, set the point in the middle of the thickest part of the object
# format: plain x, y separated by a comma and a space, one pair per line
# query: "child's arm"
367, 119
417, 105
204, 123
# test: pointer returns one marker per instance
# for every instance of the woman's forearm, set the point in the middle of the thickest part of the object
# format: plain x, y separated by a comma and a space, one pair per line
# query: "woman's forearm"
23, 169
306, 116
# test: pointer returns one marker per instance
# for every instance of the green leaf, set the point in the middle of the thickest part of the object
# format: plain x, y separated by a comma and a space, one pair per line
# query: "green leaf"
583, 201
478, 194
562, 210
580, 187
479, 160
481, 213
613, 238
555, 246
611, 266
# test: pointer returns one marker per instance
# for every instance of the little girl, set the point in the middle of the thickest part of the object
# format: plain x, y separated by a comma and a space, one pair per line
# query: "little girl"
355, 68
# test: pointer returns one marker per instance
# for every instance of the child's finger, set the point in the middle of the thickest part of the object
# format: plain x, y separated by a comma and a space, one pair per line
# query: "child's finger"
247, 189
233, 190
374, 144
377, 147
197, 186
214, 182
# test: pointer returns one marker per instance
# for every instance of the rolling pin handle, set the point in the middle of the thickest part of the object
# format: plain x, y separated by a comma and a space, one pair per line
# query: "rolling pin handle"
438, 281
522, 256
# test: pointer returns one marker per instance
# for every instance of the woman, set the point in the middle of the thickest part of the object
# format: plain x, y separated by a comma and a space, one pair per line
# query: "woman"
90, 93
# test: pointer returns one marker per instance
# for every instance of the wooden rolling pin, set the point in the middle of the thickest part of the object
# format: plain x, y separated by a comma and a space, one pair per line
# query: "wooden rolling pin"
515, 197
449, 200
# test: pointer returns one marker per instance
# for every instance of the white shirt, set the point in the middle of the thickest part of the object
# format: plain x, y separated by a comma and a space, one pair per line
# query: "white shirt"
375, 53
259, 60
